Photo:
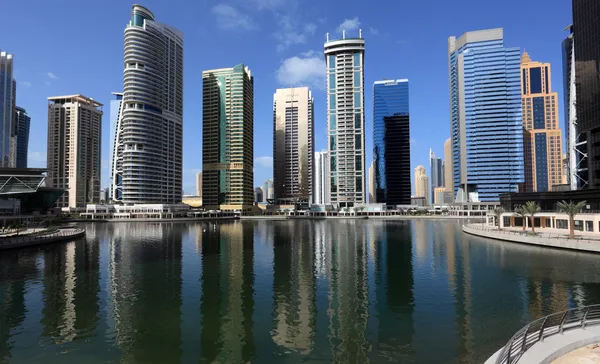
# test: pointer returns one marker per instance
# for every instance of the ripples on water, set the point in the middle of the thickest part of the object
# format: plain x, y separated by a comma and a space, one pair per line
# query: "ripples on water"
294, 291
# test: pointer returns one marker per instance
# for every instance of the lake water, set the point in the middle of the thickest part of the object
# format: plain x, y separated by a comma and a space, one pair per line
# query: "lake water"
344, 291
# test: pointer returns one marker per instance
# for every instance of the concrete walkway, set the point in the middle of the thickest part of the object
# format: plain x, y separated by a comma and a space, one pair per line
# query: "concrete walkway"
558, 242
556, 346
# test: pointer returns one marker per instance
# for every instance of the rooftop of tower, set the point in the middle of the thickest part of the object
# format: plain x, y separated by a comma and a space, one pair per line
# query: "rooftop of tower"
344, 37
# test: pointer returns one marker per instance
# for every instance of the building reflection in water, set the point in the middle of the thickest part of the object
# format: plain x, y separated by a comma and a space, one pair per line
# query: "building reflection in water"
294, 288
16, 268
394, 290
227, 293
146, 291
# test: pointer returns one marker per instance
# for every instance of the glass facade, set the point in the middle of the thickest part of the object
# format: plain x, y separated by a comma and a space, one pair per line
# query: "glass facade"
486, 124
7, 109
586, 32
23, 124
541, 162
391, 142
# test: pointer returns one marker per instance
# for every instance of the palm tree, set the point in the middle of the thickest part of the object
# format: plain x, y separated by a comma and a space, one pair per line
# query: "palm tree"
532, 208
571, 208
520, 212
498, 211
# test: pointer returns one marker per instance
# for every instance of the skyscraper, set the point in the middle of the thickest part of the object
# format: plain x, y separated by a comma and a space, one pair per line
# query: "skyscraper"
151, 120
23, 124
344, 59
486, 125
227, 138
74, 149
116, 148
8, 88
542, 137
372, 189
448, 178
293, 147
586, 30
422, 184
268, 189
199, 184
391, 142
435, 166
321, 192
573, 156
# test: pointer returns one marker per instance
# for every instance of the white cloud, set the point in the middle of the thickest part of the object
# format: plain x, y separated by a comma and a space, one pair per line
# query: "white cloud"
269, 4
349, 24
263, 162
26, 84
308, 69
374, 31
52, 76
290, 33
36, 159
229, 17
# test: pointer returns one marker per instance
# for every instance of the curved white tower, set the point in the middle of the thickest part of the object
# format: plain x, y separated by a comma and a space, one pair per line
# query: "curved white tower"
151, 120
346, 119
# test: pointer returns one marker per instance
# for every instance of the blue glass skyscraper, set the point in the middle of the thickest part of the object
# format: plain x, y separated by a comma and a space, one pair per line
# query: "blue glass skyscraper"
391, 139
486, 125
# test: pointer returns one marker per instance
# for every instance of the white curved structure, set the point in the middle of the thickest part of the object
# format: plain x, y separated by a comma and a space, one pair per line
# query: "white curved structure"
344, 60
151, 118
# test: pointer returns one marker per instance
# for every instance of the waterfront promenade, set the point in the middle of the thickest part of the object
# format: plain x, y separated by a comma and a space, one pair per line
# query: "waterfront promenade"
21, 241
586, 243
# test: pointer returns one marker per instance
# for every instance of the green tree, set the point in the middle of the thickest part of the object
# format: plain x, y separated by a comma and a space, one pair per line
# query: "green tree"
571, 208
520, 212
497, 212
532, 208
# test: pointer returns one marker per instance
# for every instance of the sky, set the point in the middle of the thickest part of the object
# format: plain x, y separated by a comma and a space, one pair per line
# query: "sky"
69, 47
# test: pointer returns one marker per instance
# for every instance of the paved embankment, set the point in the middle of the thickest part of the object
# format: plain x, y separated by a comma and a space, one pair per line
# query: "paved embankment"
522, 238
31, 240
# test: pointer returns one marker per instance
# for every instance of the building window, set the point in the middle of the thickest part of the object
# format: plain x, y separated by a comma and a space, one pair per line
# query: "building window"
331, 61
589, 226
562, 224
332, 81
535, 80
357, 79
332, 142
332, 101
578, 225
358, 163
357, 121
332, 122
357, 141
356, 59
359, 184
357, 100
332, 164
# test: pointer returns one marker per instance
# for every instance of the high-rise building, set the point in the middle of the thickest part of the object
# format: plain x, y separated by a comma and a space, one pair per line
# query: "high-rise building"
268, 189
586, 31
542, 138
372, 189
573, 155
391, 142
448, 173
322, 180
227, 138
74, 149
151, 119
293, 148
437, 175
23, 124
258, 194
199, 184
116, 148
344, 59
485, 103
422, 184
439, 195
8, 90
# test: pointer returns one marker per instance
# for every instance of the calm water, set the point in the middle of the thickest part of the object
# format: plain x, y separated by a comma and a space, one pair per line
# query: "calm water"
280, 291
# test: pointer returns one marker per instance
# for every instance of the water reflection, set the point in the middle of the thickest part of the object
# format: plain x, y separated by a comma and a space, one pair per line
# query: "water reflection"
336, 291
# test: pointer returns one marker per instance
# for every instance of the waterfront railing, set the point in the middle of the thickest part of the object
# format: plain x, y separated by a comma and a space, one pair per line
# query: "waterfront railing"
538, 330
540, 234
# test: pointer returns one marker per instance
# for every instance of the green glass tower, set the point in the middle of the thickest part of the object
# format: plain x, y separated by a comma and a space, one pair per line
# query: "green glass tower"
227, 139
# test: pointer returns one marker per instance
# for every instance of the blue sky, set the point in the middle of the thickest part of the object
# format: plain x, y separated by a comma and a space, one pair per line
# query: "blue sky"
77, 47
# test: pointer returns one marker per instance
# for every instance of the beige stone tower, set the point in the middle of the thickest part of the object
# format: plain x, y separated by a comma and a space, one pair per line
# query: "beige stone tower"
422, 184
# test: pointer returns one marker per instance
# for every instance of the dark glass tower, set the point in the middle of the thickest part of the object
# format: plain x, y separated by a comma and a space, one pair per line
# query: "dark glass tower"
586, 31
23, 122
391, 135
